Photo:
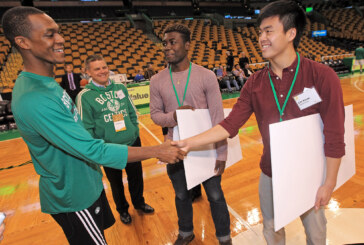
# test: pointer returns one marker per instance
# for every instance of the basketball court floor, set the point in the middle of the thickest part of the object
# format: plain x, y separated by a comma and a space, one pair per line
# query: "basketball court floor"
345, 212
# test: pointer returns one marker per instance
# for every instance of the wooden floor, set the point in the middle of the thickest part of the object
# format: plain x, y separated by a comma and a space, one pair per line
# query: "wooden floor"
19, 189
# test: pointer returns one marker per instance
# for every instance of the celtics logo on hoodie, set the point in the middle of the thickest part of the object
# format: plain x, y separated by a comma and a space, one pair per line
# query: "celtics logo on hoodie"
113, 105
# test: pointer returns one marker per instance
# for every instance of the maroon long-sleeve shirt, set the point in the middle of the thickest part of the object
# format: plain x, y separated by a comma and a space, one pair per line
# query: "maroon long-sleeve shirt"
257, 96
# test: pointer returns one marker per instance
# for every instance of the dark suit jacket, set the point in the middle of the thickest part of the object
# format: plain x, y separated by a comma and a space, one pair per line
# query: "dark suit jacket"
66, 86
242, 61
229, 63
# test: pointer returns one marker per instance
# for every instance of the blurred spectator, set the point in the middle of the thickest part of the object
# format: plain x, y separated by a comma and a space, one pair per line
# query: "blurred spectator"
359, 56
149, 72
229, 61
226, 78
243, 59
84, 74
71, 82
84, 77
239, 74
139, 76
247, 71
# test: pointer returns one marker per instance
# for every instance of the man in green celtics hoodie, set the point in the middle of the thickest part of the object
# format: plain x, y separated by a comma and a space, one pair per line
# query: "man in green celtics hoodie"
108, 113
64, 154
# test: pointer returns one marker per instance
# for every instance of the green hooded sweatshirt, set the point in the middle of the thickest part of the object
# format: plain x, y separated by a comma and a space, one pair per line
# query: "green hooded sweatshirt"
98, 105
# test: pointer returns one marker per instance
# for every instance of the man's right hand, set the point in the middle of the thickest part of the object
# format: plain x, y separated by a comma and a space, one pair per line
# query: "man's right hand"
169, 154
182, 144
183, 107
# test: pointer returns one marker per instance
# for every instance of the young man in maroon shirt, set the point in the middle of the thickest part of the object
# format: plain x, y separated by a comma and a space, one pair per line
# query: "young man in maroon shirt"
281, 25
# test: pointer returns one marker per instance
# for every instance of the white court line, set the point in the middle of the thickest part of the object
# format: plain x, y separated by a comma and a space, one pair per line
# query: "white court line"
241, 220
232, 211
356, 86
150, 132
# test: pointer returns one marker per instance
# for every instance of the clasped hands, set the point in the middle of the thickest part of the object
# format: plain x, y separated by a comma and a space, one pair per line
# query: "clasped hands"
172, 153
179, 149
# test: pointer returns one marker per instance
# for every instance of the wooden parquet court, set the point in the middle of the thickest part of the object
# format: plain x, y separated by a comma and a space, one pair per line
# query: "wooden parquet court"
19, 189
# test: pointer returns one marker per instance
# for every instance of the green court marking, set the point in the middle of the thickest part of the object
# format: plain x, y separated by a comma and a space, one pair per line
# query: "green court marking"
226, 96
358, 119
143, 109
250, 129
247, 130
11, 134
7, 190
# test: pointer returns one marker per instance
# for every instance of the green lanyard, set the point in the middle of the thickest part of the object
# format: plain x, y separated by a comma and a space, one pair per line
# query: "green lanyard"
113, 91
175, 91
289, 92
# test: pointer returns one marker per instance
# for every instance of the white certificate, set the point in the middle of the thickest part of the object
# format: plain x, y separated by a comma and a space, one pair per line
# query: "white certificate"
298, 164
199, 165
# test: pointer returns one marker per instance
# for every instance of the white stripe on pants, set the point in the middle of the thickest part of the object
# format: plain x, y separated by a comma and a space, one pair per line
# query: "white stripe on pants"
91, 227
313, 221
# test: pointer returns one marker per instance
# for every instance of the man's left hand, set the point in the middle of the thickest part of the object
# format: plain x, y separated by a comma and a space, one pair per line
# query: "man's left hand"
219, 167
323, 195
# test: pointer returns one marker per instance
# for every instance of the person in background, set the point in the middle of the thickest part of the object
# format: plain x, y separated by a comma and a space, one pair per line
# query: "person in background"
71, 82
139, 76
239, 74
84, 77
229, 61
100, 121
359, 56
247, 71
243, 59
227, 78
149, 72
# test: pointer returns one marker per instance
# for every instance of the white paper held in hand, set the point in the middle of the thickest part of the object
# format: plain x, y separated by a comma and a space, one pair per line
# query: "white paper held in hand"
299, 164
2, 217
200, 164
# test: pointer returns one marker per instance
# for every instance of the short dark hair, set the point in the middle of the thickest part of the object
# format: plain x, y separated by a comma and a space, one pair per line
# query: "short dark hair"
15, 22
92, 58
183, 30
290, 14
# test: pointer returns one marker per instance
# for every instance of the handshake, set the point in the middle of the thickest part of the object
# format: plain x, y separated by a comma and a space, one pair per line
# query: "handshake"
175, 151
171, 151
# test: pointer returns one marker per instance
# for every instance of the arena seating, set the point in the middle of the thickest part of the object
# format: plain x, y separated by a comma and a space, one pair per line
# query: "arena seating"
127, 49
345, 23
6, 116
124, 48
10, 70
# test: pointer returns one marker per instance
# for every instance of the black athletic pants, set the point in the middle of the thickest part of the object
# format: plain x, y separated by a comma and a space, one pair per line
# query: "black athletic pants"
87, 226
134, 172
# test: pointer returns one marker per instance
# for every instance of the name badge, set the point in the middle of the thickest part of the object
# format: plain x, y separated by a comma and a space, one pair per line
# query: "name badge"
120, 94
307, 98
119, 122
